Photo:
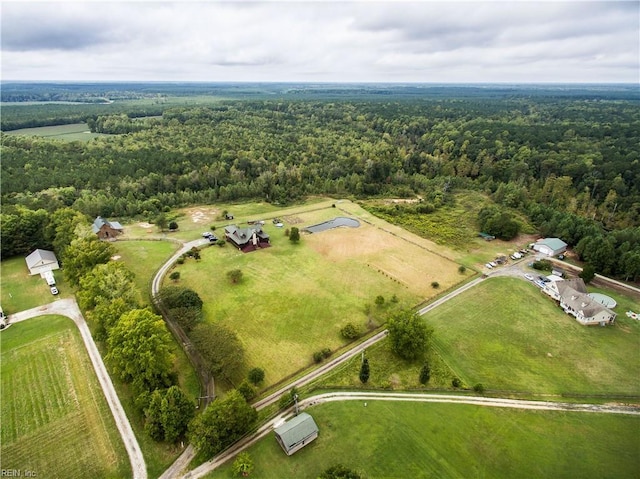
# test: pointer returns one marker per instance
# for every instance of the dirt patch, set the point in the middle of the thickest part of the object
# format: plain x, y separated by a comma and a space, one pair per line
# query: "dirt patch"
292, 220
201, 215
116, 257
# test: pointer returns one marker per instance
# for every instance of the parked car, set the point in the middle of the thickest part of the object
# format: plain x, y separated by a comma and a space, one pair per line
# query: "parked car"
54, 290
213, 238
493, 264
488, 265
207, 234
529, 277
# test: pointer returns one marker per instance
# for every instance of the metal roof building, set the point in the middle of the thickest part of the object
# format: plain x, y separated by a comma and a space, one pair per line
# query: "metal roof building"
296, 433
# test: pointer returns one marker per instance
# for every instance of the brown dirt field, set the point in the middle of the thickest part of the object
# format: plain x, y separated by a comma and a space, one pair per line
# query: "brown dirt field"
398, 259
200, 215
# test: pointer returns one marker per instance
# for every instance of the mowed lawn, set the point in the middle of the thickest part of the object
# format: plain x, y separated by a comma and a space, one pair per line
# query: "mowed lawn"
143, 259
427, 440
55, 418
293, 299
19, 291
507, 335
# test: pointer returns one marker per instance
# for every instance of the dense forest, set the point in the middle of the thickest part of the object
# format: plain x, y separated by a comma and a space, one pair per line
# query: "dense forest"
568, 161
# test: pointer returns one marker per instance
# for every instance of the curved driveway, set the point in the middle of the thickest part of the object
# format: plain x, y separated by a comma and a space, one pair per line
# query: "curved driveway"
69, 308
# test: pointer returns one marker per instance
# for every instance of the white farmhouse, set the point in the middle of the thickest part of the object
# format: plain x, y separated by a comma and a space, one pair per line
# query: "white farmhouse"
572, 297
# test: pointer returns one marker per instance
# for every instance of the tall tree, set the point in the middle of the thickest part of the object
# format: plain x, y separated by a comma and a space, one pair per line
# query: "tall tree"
140, 350
364, 371
222, 423
408, 334
82, 255
220, 348
177, 410
107, 282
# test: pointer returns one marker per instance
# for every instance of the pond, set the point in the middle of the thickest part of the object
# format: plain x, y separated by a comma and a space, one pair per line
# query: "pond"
334, 223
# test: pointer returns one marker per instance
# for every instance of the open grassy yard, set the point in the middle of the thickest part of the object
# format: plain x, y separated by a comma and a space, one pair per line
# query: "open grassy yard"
419, 440
19, 291
55, 419
388, 371
143, 259
507, 335
294, 299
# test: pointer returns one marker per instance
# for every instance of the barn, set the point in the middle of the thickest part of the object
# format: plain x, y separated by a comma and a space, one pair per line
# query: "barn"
296, 433
550, 246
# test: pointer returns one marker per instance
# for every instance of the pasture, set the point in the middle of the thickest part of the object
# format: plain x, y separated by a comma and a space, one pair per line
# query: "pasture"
19, 291
293, 299
507, 335
421, 440
70, 132
143, 259
55, 419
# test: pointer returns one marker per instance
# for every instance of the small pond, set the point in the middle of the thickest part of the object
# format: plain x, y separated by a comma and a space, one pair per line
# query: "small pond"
334, 223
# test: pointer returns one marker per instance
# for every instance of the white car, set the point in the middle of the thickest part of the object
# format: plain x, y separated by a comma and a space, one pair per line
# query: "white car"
528, 276
54, 290
206, 234
488, 265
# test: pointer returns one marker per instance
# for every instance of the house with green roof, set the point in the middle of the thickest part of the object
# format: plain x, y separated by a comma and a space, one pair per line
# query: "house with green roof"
296, 433
550, 246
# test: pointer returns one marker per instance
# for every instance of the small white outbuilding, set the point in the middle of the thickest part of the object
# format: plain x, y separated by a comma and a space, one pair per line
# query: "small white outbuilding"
41, 261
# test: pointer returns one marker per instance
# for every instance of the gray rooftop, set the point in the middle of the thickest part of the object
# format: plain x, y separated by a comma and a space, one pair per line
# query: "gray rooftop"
296, 429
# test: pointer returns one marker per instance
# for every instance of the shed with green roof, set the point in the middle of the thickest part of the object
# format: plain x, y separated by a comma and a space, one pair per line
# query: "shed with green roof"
296, 433
550, 246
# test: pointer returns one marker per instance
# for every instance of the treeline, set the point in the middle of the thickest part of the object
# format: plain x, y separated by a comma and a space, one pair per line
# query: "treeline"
570, 155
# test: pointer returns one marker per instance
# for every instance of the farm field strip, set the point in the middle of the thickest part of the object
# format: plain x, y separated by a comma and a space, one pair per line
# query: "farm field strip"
53, 403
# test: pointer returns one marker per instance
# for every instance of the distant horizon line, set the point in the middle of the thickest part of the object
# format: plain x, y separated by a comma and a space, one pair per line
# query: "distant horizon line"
309, 82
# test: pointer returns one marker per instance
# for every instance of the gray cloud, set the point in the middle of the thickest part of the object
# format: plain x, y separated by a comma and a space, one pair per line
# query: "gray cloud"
333, 41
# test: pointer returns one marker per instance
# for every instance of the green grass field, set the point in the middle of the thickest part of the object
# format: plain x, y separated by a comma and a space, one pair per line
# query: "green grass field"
19, 291
143, 259
55, 419
388, 371
419, 440
71, 132
507, 335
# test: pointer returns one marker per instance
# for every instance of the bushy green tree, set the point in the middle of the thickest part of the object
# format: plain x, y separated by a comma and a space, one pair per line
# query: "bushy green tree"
408, 334
294, 235
243, 464
140, 350
588, 273
222, 423
339, 472
220, 349
256, 375
84, 254
235, 276
177, 410
106, 282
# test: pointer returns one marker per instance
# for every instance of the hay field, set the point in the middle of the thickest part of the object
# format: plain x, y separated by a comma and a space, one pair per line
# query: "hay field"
55, 419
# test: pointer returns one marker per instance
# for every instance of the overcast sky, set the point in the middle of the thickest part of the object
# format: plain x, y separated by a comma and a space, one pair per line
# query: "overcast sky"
342, 41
